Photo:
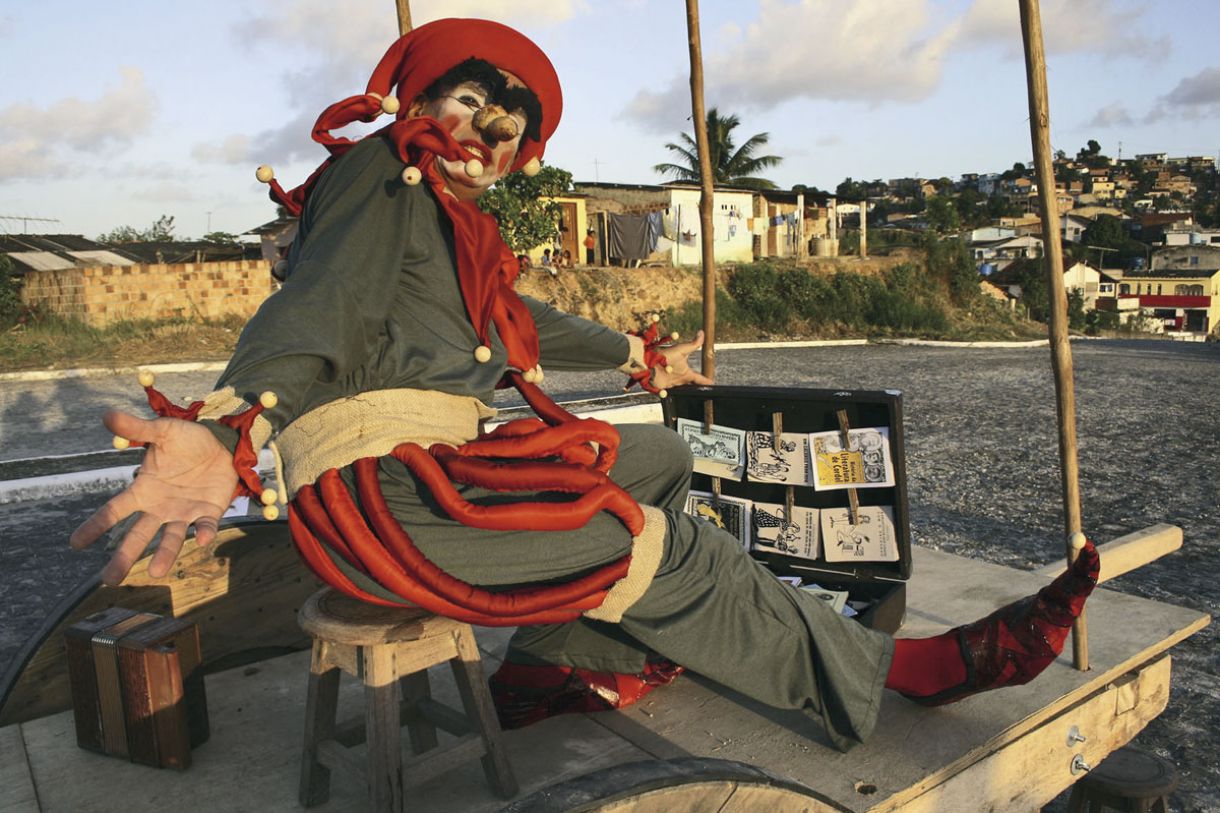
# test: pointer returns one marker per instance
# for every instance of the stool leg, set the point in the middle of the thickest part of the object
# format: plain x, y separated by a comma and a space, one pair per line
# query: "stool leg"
414, 688
384, 737
476, 700
321, 705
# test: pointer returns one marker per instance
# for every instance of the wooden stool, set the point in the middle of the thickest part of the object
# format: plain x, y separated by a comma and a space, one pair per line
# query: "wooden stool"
1129, 780
389, 647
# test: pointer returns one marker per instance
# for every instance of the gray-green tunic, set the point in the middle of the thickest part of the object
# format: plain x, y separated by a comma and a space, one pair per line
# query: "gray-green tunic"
372, 302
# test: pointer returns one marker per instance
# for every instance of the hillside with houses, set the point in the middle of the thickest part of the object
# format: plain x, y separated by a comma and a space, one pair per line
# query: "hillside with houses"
1141, 239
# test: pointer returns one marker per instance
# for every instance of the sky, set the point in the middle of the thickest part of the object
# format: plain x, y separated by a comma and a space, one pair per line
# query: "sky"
113, 114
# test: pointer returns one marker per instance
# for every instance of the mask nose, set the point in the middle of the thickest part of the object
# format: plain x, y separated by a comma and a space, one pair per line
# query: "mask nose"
494, 123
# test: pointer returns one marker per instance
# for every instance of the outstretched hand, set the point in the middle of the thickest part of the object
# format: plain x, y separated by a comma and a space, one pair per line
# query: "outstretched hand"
680, 371
186, 478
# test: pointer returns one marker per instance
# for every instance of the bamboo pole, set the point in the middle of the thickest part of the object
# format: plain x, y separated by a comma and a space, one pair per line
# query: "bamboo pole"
1061, 353
404, 16
706, 193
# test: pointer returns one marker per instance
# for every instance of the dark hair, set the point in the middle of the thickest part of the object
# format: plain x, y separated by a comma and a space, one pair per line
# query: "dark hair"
482, 72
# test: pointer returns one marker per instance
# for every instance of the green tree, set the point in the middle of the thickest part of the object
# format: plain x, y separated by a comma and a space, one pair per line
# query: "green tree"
1075, 309
1031, 277
161, 231
520, 204
950, 260
851, 190
10, 293
222, 238
1018, 171
731, 165
942, 215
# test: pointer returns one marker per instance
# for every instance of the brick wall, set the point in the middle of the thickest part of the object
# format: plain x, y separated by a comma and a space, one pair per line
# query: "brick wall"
101, 295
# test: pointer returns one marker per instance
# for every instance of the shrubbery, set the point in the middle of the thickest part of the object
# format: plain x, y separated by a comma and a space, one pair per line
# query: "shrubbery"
905, 299
11, 309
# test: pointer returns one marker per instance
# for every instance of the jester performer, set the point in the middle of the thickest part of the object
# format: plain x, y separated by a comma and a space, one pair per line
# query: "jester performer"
395, 325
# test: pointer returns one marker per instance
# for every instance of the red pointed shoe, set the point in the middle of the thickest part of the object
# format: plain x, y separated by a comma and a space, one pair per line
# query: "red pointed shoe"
1015, 643
524, 695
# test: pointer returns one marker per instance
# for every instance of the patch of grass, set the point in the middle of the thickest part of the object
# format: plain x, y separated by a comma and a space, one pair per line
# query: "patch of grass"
56, 342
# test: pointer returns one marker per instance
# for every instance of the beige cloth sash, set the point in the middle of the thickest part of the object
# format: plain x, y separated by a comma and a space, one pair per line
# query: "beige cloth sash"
373, 423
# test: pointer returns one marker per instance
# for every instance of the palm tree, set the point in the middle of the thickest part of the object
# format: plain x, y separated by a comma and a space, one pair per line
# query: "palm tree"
731, 165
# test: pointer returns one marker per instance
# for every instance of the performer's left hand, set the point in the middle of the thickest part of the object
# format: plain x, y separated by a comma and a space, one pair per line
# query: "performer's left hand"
681, 373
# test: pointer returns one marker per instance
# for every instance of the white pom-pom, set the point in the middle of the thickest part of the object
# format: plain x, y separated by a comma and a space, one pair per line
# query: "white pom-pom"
656, 317
474, 167
1077, 541
268, 497
674, 336
121, 443
390, 105
532, 167
268, 399
147, 379
482, 354
411, 176
264, 174
669, 368
530, 375
271, 512
663, 394
540, 375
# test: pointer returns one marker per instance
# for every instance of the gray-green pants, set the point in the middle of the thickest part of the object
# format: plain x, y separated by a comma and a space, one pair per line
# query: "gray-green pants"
710, 607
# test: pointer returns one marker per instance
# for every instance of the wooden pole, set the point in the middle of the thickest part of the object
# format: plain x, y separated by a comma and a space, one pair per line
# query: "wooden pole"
404, 16
1061, 352
706, 193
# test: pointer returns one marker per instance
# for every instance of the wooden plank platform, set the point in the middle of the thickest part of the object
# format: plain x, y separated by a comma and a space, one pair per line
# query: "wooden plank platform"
1008, 749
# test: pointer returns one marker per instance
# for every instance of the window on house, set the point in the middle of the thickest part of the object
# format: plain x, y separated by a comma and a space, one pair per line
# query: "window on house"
1158, 288
1194, 259
1124, 289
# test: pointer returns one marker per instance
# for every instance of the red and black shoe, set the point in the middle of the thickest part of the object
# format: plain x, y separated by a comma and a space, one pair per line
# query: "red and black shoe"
527, 694
1015, 643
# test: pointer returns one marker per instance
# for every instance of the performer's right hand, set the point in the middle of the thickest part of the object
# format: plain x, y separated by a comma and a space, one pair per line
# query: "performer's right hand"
186, 478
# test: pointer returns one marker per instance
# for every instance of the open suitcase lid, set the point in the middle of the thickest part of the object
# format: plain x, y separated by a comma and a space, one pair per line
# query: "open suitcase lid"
805, 411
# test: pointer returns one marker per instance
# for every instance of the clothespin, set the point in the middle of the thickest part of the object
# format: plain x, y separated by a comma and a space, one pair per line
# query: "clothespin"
709, 417
853, 498
777, 429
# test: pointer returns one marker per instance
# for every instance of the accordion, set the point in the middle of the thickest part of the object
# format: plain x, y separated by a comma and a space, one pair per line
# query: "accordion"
137, 686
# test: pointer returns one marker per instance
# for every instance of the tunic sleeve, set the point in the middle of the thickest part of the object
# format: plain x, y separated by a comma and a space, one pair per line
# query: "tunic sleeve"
343, 269
571, 343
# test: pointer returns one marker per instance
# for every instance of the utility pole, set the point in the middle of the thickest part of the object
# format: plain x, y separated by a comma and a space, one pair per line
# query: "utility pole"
596, 170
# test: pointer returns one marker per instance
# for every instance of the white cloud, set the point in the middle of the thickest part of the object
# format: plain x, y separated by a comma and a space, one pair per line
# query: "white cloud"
1200, 90
1107, 27
536, 12
121, 114
1195, 97
166, 192
234, 149
27, 158
357, 34
869, 51
34, 138
1112, 115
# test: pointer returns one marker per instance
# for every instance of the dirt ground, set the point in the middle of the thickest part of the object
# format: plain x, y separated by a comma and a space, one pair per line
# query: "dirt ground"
982, 476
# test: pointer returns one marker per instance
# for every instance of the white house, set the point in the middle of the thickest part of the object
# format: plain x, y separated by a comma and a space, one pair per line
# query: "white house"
1072, 227
1089, 281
